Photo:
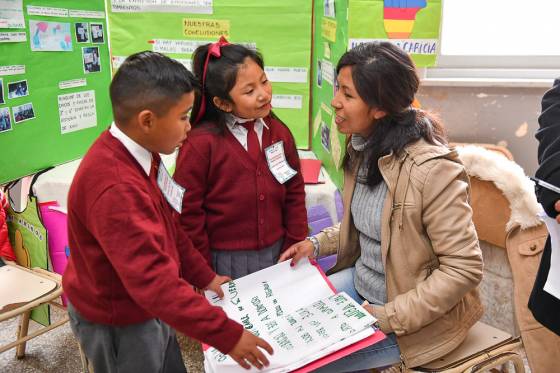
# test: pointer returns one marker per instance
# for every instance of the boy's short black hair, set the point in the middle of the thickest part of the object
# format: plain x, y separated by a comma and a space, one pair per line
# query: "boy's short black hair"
148, 81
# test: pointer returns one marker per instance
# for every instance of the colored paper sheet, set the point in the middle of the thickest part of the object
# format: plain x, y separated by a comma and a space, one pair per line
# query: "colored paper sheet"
205, 28
13, 37
77, 111
50, 36
287, 101
162, 6
412, 25
45, 11
310, 170
328, 29
11, 14
12, 70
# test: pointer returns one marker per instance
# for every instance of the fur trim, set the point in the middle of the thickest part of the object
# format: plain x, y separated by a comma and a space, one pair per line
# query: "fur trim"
510, 178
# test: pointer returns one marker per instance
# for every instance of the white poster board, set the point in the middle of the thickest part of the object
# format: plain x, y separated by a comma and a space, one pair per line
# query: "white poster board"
294, 310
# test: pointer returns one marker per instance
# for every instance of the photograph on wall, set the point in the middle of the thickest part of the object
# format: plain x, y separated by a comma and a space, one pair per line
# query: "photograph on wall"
18, 89
50, 36
92, 63
5, 120
328, 6
82, 32
23, 113
319, 74
97, 35
335, 81
1, 91
326, 136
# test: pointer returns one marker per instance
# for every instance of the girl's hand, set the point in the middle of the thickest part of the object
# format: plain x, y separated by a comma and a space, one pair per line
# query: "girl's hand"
215, 285
297, 251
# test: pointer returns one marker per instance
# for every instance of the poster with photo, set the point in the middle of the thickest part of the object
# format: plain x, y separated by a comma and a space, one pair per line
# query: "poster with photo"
5, 120
90, 57
97, 34
18, 89
82, 32
1, 91
329, 45
326, 136
50, 36
23, 113
335, 81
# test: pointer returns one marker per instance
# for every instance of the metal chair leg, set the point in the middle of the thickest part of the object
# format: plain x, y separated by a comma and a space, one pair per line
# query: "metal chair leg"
22, 332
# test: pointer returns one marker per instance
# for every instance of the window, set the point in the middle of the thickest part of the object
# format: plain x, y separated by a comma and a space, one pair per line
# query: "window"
499, 40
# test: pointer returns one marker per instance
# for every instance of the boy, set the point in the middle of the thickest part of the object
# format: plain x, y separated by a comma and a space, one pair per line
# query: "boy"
126, 278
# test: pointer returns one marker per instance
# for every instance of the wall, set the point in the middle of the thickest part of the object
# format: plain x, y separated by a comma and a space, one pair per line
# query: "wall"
506, 116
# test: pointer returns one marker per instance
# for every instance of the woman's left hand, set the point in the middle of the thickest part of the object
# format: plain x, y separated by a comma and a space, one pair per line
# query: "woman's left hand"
368, 307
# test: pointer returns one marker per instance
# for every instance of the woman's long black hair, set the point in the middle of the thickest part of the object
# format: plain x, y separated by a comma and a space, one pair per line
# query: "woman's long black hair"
386, 79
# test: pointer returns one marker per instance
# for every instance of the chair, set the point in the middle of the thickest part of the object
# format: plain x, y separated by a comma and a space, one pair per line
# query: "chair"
485, 347
22, 290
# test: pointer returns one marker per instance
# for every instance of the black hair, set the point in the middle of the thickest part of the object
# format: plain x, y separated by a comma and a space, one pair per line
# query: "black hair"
385, 78
149, 80
221, 76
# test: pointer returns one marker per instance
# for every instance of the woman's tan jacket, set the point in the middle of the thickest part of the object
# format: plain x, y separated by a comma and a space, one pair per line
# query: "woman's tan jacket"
430, 251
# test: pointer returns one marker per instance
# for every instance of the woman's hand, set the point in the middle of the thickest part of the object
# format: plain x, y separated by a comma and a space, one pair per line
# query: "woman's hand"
368, 307
297, 251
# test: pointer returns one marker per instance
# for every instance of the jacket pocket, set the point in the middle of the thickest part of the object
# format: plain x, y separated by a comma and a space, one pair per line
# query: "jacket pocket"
532, 247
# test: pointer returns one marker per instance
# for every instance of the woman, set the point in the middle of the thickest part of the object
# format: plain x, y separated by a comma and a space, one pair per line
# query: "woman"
406, 243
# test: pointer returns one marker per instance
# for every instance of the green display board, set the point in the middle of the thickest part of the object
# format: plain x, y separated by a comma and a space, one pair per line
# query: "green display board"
414, 25
54, 74
330, 43
281, 31
340, 25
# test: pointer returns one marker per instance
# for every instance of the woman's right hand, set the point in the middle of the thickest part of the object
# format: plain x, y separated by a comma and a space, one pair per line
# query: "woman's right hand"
302, 249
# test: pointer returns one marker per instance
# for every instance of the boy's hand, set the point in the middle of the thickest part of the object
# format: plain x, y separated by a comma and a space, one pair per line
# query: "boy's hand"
215, 285
297, 251
247, 351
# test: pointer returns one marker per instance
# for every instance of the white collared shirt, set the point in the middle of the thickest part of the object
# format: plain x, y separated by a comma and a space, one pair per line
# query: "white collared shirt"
142, 155
240, 133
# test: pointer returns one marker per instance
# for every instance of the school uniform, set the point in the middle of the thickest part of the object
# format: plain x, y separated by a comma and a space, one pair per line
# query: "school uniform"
238, 215
123, 275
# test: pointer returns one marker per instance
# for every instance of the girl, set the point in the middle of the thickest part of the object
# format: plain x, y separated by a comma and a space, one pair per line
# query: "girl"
244, 201
407, 243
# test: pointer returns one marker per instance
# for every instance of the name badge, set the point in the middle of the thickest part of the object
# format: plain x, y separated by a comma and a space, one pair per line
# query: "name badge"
277, 163
172, 191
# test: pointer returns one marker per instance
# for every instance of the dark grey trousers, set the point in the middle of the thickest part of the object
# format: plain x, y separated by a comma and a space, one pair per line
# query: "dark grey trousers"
150, 346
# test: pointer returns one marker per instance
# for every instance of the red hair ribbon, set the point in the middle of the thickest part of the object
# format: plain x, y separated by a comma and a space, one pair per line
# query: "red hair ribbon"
214, 49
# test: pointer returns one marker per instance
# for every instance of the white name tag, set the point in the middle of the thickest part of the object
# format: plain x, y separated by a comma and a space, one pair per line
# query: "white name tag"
172, 191
277, 162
